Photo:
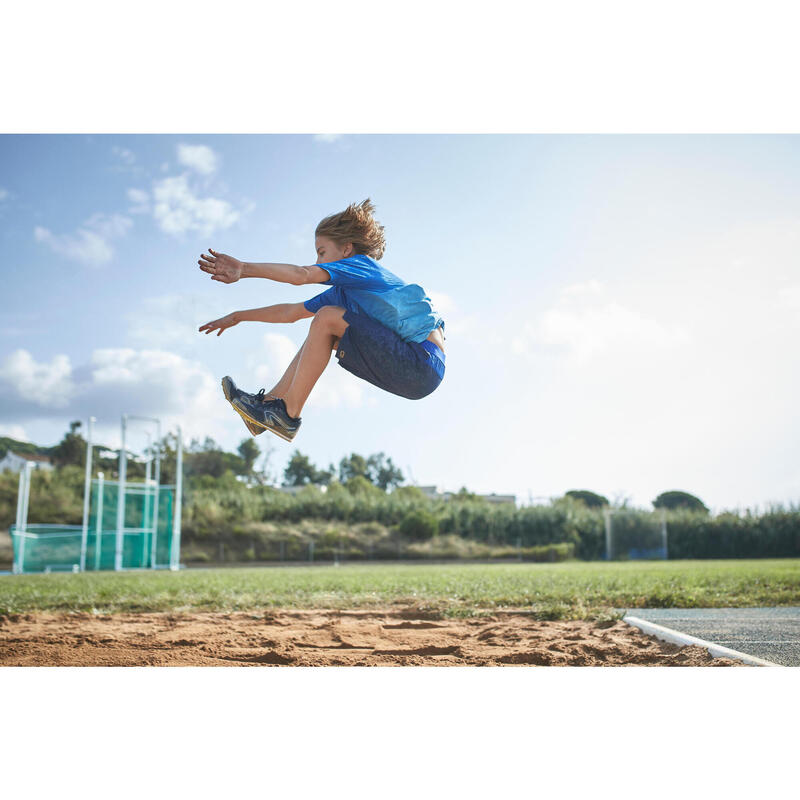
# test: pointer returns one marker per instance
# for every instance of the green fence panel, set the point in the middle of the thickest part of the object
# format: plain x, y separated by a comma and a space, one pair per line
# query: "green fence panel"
147, 532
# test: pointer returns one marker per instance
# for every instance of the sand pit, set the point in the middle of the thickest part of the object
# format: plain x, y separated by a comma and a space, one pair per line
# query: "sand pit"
330, 638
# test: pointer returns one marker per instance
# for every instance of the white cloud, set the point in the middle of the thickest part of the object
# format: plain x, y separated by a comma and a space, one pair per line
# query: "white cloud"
592, 287
125, 155
109, 226
14, 431
675, 373
170, 322
327, 137
585, 324
4, 194
140, 200
36, 385
90, 243
198, 157
177, 209
789, 297
442, 302
86, 247
152, 383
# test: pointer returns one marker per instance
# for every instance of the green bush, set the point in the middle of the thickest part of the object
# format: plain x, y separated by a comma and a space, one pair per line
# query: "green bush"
418, 526
225, 520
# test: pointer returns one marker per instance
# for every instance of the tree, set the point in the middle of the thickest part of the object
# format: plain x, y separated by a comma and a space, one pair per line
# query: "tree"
589, 499
209, 459
299, 470
249, 451
325, 476
676, 499
377, 469
71, 449
382, 472
351, 466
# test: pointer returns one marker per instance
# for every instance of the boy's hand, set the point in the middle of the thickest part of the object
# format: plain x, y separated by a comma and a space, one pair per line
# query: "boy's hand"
222, 323
225, 269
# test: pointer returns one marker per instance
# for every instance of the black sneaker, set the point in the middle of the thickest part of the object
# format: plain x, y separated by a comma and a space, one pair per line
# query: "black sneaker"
231, 390
269, 414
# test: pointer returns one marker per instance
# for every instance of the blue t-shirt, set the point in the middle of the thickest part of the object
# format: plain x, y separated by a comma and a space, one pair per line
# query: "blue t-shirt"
361, 285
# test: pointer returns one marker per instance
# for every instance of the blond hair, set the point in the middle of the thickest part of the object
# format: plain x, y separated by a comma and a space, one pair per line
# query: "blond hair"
356, 225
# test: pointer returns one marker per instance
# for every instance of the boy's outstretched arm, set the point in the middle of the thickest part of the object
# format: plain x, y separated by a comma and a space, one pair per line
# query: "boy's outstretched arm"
281, 312
227, 269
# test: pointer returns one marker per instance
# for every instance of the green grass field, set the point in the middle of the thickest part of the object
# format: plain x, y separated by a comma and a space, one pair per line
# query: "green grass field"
573, 590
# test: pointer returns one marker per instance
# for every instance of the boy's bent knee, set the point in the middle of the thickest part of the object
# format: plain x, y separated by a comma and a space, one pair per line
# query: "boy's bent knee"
331, 318
327, 313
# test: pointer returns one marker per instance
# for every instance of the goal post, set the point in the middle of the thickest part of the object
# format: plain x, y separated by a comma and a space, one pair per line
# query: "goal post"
632, 534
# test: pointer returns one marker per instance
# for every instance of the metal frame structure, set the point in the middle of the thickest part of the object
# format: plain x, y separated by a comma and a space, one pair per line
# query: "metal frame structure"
150, 512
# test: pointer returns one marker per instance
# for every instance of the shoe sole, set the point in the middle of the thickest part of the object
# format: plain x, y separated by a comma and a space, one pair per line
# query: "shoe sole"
254, 429
282, 435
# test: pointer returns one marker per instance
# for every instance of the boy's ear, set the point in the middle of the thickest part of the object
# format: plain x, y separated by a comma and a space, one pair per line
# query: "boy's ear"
348, 250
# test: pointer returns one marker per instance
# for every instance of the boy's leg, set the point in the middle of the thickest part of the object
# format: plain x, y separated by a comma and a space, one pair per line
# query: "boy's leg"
282, 386
326, 329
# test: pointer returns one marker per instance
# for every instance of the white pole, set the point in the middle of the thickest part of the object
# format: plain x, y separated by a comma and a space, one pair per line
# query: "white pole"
154, 540
175, 550
98, 539
121, 498
146, 521
87, 485
18, 527
158, 482
24, 527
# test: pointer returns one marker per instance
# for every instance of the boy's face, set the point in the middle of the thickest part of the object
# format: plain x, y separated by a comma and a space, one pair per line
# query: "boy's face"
328, 250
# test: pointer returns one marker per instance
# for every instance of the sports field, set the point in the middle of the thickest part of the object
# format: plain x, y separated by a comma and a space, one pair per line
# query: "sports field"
374, 614
573, 590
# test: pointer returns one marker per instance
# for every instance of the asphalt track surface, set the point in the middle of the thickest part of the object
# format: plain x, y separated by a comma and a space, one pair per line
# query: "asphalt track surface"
769, 633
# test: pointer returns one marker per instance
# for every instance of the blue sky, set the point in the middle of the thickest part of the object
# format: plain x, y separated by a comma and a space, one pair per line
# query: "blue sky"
622, 312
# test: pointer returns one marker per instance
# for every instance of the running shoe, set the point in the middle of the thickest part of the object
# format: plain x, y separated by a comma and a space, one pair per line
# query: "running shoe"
269, 414
231, 390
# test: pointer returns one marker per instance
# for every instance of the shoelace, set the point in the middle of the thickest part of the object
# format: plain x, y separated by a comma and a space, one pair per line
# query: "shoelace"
260, 397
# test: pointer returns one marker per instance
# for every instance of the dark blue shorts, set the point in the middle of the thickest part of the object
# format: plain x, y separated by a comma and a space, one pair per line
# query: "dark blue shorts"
379, 356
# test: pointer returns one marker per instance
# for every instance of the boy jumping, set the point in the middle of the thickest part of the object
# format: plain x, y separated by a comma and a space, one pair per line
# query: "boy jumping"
383, 330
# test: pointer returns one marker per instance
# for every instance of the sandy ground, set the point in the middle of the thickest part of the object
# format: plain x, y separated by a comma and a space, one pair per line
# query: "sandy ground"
330, 638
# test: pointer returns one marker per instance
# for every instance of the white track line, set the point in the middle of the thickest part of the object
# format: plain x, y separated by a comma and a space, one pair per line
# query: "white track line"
681, 639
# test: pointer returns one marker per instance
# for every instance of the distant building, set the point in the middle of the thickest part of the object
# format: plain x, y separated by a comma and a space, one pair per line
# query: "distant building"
499, 498
14, 463
295, 489
433, 491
